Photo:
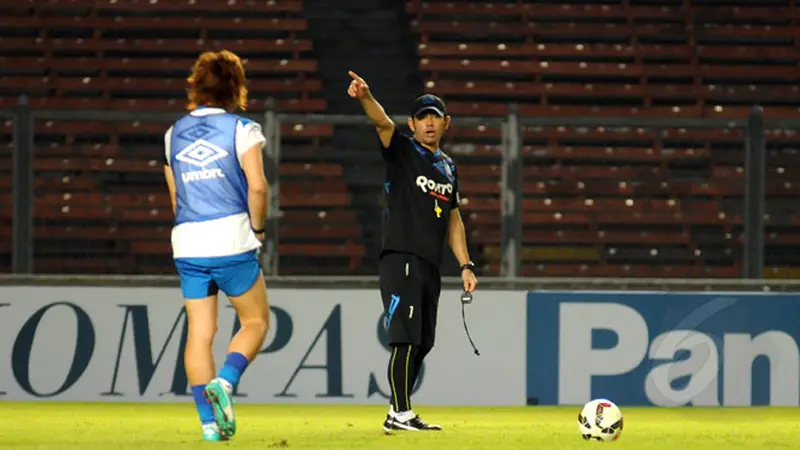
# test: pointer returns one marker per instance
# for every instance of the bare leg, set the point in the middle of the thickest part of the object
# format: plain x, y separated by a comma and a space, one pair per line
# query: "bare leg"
198, 356
253, 312
252, 307
201, 314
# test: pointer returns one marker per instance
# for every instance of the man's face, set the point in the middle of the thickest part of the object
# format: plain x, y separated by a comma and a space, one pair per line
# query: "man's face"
428, 127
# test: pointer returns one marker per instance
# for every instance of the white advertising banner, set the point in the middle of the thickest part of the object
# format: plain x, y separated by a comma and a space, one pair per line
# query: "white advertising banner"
324, 346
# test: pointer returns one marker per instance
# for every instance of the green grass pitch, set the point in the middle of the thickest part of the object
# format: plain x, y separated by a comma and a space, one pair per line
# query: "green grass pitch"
175, 426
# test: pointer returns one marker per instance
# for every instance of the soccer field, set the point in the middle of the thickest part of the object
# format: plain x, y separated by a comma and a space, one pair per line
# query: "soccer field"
170, 426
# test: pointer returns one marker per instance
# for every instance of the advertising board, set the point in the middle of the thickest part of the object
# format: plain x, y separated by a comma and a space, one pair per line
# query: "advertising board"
663, 349
324, 346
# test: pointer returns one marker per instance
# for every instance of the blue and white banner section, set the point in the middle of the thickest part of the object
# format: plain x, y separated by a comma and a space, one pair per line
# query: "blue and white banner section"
324, 346
663, 349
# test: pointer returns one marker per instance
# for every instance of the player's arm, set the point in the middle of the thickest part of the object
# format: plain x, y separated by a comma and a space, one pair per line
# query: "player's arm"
457, 238
168, 175
257, 188
170, 185
383, 123
251, 142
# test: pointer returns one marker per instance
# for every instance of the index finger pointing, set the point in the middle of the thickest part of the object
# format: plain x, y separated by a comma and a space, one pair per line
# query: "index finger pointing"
354, 76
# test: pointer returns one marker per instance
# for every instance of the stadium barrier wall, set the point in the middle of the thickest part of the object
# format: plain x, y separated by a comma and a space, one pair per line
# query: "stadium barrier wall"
125, 344
663, 348
327, 345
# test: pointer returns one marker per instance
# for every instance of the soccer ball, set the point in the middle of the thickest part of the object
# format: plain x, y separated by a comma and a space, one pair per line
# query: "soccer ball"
601, 420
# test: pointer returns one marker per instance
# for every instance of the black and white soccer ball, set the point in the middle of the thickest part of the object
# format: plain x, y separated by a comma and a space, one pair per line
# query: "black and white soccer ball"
600, 420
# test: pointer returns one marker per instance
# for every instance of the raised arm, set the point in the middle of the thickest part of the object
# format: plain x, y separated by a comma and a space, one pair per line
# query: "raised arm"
383, 124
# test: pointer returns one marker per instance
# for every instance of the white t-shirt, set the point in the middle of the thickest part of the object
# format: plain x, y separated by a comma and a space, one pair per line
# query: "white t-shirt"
225, 236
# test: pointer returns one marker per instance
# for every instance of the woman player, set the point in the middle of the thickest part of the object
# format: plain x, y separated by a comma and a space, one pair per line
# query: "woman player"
218, 190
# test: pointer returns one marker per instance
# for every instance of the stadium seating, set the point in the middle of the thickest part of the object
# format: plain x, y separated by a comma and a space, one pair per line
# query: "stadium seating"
581, 59
125, 54
597, 201
602, 201
101, 205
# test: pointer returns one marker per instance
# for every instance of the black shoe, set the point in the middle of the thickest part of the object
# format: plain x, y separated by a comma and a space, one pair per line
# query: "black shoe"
420, 425
413, 424
388, 424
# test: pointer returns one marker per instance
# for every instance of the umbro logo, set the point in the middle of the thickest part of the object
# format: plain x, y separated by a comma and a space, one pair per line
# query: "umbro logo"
201, 153
201, 130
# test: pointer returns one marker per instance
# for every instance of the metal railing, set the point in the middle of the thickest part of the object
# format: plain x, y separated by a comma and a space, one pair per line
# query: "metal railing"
512, 128
512, 141
522, 284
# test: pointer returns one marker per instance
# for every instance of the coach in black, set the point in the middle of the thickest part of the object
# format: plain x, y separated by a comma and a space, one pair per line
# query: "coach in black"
421, 212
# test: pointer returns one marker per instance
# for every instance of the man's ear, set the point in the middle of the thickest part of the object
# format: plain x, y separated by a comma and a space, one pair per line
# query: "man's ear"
411, 124
446, 123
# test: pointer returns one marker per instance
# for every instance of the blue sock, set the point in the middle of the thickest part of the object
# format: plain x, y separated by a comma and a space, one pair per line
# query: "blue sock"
234, 367
204, 409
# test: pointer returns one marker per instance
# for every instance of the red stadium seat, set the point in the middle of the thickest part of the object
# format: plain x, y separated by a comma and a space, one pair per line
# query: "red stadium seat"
679, 189
123, 64
597, 201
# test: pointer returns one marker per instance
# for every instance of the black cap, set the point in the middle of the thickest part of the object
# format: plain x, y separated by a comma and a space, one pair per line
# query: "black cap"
428, 102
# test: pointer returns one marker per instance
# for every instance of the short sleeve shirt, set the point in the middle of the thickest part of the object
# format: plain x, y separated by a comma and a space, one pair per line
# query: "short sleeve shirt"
421, 191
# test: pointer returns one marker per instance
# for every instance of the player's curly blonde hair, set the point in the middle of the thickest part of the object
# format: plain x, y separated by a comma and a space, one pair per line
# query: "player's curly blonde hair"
217, 80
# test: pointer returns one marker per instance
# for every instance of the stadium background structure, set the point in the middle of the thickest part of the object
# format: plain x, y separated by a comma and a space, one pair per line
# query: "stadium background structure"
595, 139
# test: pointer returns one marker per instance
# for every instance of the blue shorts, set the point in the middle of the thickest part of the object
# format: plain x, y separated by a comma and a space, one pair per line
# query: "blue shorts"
202, 277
